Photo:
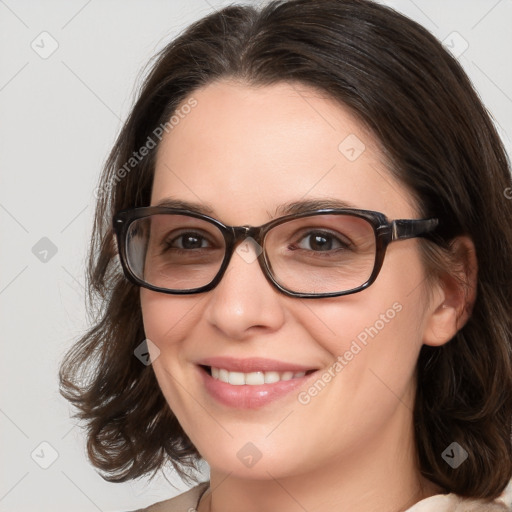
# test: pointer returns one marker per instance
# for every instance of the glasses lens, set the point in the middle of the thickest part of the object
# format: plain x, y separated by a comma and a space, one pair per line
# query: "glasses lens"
175, 252
321, 253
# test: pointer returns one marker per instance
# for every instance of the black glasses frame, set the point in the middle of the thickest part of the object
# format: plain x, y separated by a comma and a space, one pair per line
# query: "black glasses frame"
386, 231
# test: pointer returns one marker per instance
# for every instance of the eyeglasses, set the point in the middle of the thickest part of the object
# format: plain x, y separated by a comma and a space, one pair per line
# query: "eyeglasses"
319, 253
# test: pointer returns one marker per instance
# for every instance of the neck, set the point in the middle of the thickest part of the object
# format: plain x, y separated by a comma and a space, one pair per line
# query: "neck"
314, 493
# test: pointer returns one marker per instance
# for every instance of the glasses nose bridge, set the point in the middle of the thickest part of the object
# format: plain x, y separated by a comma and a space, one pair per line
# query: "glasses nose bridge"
240, 233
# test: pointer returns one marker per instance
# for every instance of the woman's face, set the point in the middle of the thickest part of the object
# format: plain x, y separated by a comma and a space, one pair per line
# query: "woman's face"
245, 152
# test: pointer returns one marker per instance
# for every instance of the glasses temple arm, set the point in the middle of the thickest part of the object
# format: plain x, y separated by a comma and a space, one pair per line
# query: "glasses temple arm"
402, 229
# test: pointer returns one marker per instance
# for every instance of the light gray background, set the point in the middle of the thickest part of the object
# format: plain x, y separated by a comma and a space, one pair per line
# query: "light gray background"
59, 116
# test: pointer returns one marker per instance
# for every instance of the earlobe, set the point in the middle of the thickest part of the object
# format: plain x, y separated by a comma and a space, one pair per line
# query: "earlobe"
454, 295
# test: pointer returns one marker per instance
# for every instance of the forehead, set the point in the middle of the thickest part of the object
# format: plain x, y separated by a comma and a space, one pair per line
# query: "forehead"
242, 151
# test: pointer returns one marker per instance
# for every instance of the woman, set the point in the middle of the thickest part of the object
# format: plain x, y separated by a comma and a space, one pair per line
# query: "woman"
309, 205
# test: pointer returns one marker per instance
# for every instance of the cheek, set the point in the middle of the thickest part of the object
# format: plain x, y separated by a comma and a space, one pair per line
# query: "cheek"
165, 316
168, 319
380, 327
372, 331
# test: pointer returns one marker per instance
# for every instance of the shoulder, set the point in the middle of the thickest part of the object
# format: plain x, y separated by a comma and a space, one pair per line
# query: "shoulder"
188, 501
454, 503
185, 502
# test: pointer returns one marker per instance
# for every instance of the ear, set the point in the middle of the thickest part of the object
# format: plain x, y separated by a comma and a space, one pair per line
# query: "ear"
453, 295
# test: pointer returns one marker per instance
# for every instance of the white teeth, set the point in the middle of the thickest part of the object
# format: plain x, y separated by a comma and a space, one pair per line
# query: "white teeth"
236, 378
223, 375
253, 378
271, 377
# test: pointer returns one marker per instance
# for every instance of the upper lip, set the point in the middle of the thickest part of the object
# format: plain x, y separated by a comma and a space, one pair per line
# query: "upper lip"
254, 364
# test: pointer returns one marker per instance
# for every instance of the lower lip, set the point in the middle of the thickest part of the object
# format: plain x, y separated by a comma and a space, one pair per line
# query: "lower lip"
247, 396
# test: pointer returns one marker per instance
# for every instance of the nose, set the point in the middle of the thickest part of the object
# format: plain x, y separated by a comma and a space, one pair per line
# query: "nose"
244, 302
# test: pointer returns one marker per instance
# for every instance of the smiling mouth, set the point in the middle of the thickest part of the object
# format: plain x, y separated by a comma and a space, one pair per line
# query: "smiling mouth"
257, 378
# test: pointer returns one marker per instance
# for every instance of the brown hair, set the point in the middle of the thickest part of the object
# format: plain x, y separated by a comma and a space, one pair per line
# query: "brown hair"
398, 80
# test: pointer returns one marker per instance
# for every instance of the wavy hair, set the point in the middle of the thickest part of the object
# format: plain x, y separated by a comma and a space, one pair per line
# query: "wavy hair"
399, 81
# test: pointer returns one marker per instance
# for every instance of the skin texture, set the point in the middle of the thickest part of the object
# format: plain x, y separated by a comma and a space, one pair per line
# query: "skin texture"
244, 151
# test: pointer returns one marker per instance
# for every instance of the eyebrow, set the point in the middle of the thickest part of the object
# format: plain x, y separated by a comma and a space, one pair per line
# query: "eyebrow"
169, 202
289, 208
302, 206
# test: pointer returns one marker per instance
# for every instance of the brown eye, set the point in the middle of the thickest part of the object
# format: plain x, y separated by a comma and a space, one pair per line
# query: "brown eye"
319, 241
189, 241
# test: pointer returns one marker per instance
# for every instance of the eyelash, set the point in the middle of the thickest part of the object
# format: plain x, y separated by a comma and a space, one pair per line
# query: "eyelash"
168, 242
344, 244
